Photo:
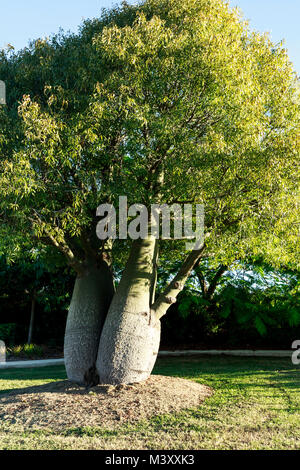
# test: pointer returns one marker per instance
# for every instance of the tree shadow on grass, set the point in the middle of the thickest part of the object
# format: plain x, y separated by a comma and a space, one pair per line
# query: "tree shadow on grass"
62, 386
33, 373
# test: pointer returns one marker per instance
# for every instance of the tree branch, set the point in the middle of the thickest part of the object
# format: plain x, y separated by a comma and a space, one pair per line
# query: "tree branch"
212, 287
169, 296
62, 246
201, 280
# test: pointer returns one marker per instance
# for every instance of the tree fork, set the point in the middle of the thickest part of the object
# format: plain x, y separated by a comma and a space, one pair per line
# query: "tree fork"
169, 296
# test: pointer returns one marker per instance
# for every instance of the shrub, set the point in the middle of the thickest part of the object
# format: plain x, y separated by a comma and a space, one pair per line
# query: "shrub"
7, 333
26, 350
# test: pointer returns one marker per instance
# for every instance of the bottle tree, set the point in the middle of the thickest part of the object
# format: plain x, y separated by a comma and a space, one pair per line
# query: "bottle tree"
168, 102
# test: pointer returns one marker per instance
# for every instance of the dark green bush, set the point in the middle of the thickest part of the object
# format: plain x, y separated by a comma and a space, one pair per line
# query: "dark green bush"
29, 351
7, 333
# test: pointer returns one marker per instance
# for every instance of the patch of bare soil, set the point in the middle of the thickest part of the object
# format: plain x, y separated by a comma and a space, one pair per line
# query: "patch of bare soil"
61, 405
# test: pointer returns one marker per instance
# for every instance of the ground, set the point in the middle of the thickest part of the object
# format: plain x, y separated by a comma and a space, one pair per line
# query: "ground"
101, 406
255, 405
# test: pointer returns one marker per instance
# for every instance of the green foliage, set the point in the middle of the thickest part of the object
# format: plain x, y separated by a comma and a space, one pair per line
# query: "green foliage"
250, 295
26, 350
190, 301
262, 301
27, 279
183, 89
7, 333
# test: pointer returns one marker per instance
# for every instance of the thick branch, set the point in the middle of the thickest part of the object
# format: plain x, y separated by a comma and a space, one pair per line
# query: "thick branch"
169, 296
202, 281
67, 252
62, 246
154, 274
209, 290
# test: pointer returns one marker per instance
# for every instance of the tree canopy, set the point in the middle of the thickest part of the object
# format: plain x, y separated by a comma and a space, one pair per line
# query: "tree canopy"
169, 100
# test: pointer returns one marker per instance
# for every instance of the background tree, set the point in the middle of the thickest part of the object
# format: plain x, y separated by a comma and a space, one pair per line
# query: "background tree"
34, 294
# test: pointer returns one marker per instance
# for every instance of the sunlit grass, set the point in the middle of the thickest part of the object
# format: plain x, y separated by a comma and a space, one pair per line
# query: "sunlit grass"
11, 379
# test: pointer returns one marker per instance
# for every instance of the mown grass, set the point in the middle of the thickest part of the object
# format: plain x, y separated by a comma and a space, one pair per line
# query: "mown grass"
256, 405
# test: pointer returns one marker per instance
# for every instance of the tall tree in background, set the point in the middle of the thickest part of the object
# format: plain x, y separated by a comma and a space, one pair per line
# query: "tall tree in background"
33, 289
168, 102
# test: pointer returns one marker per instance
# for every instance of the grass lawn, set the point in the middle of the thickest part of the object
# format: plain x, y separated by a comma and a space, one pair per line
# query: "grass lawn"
256, 405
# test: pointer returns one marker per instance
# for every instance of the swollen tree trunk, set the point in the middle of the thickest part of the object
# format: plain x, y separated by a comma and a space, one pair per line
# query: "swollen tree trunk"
91, 298
130, 337
131, 334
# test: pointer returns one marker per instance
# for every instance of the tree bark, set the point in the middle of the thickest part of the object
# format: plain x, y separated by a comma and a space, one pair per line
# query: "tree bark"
169, 296
91, 298
131, 334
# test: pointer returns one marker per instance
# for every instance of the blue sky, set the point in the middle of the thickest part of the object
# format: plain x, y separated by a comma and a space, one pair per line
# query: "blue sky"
24, 20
